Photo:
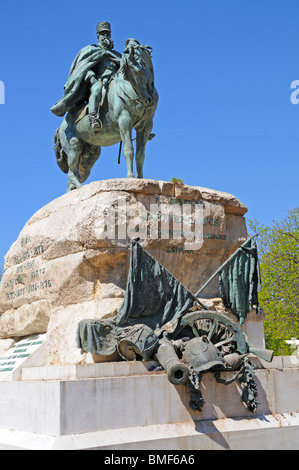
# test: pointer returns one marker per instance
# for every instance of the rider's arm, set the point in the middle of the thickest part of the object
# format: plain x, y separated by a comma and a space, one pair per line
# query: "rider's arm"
90, 77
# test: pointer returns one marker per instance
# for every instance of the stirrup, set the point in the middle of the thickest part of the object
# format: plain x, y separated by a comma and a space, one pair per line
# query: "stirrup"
96, 123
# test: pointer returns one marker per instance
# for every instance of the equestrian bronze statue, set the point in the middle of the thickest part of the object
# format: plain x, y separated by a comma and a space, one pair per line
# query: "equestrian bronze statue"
107, 95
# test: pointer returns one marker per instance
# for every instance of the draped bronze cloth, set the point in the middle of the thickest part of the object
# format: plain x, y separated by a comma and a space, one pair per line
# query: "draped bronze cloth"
153, 297
97, 337
239, 281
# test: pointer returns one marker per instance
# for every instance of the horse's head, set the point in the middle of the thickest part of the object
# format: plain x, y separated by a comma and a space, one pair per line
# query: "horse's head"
138, 54
136, 66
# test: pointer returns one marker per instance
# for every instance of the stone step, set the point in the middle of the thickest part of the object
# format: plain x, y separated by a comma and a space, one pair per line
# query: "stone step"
62, 407
86, 371
126, 368
270, 432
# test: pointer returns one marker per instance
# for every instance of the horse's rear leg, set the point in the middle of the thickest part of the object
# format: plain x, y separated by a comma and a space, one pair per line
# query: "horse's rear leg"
142, 135
74, 153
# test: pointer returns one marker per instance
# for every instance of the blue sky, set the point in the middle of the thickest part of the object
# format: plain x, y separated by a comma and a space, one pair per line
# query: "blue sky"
223, 70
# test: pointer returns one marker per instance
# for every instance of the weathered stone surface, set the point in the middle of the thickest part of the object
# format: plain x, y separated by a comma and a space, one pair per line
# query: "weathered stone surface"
231, 203
75, 251
5, 344
62, 329
26, 320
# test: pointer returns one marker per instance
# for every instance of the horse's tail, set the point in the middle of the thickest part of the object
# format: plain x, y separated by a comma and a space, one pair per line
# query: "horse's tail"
61, 156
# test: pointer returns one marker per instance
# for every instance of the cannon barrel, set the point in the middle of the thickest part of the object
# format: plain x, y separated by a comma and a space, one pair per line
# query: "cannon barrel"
177, 372
265, 354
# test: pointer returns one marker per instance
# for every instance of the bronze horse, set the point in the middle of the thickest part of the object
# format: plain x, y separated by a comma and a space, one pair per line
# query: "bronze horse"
130, 103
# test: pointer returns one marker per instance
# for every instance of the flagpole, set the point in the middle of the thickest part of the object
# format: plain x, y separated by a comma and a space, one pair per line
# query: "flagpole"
223, 265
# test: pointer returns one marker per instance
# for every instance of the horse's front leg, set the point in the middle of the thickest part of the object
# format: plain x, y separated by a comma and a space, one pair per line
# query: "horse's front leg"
126, 138
142, 135
74, 153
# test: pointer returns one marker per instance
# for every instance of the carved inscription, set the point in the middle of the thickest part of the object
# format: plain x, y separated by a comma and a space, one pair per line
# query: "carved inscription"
17, 354
29, 275
205, 222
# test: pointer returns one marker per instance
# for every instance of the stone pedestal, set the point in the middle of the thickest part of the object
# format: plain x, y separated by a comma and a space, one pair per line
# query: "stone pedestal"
71, 259
70, 263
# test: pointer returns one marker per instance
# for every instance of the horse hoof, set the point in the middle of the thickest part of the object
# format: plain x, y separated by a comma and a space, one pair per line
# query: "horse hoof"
71, 187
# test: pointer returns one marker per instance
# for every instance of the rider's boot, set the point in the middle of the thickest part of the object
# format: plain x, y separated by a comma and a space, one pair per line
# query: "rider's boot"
96, 123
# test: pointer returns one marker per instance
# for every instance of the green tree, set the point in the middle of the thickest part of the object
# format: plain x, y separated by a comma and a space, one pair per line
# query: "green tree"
279, 262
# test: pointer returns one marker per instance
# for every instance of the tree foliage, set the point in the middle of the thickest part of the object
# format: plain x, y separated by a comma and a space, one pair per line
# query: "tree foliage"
279, 262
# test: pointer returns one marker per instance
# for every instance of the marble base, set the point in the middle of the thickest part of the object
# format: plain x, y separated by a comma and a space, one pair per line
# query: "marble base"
124, 406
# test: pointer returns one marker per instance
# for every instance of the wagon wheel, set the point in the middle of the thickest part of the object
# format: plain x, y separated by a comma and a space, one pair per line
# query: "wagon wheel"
228, 337
220, 330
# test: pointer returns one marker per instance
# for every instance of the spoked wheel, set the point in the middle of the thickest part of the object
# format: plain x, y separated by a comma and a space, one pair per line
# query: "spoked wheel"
220, 330
208, 326
230, 343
